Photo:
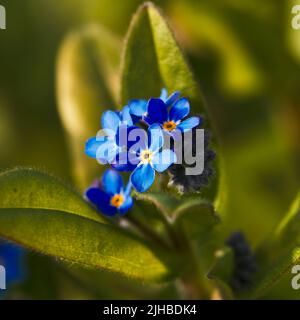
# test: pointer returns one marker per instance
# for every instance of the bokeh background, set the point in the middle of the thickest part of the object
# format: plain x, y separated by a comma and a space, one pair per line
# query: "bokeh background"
246, 57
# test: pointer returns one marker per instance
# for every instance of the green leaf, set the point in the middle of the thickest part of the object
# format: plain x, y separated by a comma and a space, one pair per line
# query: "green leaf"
280, 252
30, 188
223, 265
87, 242
87, 81
164, 202
152, 60
288, 231
197, 216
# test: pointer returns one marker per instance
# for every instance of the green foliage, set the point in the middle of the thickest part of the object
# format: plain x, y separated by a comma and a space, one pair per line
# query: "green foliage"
280, 252
30, 188
80, 240
87, 81
152, 59
197, 217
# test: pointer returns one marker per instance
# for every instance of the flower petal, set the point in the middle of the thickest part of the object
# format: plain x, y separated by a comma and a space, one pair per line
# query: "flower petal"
101, 200
164, 94
180, 109
137, 139
157, 112
92, 146
173, 97
107, 152
128, 203
112, 182
162, 160
143, 177
156, 137
138, 107
126, 116
110, 120
125, 161
189, 124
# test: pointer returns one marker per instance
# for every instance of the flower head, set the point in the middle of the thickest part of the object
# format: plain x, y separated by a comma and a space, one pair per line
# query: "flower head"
105, 147
148, 157
139, 107
172, 120
245, 265
193, 183
112, 196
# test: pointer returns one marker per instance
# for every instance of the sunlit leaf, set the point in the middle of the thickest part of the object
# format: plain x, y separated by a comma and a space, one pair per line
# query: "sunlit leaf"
87, 242
153, 59
87, 81
280, 252
30, 188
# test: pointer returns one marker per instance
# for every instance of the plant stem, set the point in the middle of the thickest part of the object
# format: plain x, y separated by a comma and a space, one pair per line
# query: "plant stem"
193, 283
147, 232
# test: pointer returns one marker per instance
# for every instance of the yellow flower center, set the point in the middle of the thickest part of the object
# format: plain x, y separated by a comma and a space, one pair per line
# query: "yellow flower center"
169, 125
146, 156
117, 200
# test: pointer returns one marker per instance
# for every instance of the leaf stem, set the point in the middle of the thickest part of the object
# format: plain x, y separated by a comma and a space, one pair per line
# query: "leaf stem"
147, 232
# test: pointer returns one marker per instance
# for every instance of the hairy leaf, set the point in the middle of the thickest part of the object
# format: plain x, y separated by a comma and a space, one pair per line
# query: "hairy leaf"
87, 242
30, 188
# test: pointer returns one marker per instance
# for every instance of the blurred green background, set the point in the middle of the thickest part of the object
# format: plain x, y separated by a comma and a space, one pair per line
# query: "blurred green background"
246, 57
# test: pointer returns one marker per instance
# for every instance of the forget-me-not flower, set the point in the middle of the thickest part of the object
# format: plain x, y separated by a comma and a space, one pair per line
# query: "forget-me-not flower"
171, 120
139, 107
148, 157
111, 196
104, 147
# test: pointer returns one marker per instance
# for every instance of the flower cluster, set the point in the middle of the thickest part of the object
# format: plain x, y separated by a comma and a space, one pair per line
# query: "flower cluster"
135, 140
245, 264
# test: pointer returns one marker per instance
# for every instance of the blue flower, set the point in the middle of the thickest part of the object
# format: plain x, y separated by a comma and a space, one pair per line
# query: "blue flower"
148, 158
12, 259
104, 147
139, 107
171, 120
112, 197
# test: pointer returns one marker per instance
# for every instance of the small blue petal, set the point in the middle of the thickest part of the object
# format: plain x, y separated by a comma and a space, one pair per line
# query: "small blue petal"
157, 112
143, 177
138, 107
162, 160
128, 188
173, 97
156, 137
128, 203
101, 200
107, 152
189, 124
125, 161
126, 137
138, 139
179, 110
110, 120
164, 95
93, 144
126, 116
112, 182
